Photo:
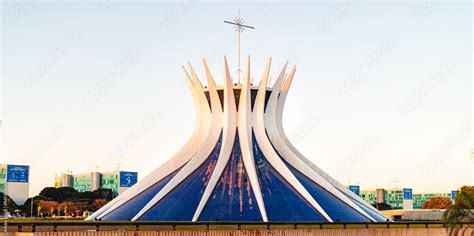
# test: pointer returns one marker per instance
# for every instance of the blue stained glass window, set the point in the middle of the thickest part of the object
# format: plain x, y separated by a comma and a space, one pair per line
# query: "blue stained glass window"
374, 215
181, 203
333, 206
282, 202
232, 198
129, 209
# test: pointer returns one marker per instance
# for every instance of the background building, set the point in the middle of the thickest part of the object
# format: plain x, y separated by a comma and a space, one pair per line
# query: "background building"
419, 198
117, 181
369, 195
393, 197
15, 181
400, 198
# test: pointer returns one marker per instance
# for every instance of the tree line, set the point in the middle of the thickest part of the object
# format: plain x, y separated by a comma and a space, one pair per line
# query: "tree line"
63, 201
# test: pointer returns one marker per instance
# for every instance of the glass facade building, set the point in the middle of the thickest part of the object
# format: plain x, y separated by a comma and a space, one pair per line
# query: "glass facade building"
110, 180
82, 183
394, 197
419, 199
117, 181
369, 196
3, 177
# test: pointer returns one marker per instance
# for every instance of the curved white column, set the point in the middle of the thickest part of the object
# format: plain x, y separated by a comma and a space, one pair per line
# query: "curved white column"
268, 151
216, 119
279, 125
203, 118
245, 138
228, 138
287, 154
203, 153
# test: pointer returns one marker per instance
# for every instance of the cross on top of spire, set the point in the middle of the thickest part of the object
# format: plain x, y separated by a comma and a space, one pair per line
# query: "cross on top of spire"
240, 28
239, 24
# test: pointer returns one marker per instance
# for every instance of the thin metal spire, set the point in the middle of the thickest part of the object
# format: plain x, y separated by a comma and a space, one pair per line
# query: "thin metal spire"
240, 28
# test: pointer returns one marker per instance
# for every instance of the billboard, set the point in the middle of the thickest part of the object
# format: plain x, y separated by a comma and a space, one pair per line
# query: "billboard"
355, 189
128, 179
407, 194
17, 173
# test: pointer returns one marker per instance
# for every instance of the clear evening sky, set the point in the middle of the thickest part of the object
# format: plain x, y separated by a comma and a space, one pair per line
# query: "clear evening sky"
382, 95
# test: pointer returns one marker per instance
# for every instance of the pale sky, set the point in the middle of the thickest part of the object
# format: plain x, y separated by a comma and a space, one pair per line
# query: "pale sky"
382, 95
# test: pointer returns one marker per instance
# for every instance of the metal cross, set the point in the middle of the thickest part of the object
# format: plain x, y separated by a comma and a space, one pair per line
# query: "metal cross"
240, 28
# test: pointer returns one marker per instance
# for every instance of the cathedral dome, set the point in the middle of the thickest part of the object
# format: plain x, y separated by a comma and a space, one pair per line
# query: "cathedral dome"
239, 165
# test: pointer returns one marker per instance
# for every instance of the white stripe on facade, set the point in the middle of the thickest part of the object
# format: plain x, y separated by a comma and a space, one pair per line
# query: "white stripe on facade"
279, 118
228, 138
214, 120
203, 114
245, 138
203, 153
286, 153
268, 151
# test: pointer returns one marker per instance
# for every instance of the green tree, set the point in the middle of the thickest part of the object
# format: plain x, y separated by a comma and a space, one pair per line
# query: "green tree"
97, 204
437, 203
26, 207
103, 193
84, 196
462, 210
11, 205
59, 194
66, 196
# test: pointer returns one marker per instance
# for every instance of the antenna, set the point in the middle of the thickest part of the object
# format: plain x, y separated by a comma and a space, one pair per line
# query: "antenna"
395, 183
96, 168
240, 28
118, 165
